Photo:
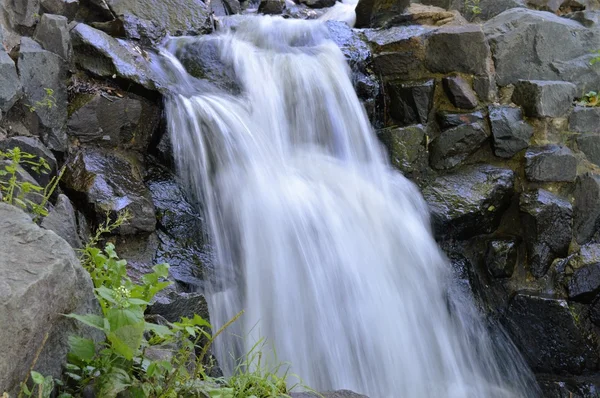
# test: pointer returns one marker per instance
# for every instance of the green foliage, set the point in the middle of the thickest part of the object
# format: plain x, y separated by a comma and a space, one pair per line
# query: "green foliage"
48, 101
43, 385
591, 98
473, 6
17, 192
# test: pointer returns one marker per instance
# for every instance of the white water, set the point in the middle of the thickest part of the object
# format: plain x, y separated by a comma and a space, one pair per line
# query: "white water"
326, 248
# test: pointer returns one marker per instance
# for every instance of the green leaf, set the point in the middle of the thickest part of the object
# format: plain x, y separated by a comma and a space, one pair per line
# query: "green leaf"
94, 321
161, 331
107, 294
112, 383
199, 321
37, 377
126, 330
25, 390
83, 349
161, 270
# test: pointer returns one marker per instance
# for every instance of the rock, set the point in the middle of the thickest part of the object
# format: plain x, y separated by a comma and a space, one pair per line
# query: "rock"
549, 335
405, 145
470, 201
455, 145
40, 280
53, 34
510, 133
546, 5
461, 49
111, 121
550, 163
410, 103
544, 98
589, 254
485, 88
547, 222
318, 3
104, 183
21, 14
43, 76
536, 45
590, 145
33, 146
584, 285
459, 92
377, 13
176, 305
225, 7
501, 257
587, 207
104, 56
67, 8
22, 176
585, 119
328, 394
448, 120
352, 44
569, 387
10, 89
63, 221
271, 7
588, 19
488, 9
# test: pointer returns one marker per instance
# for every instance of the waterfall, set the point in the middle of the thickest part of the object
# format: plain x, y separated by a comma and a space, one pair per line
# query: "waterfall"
326, 248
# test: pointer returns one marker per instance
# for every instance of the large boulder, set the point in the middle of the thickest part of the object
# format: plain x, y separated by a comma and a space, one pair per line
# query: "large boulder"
378, 13
21, 14
53, 34
587, 207
537, 45
541, 98
67, 8
550, 163
40, 281
470, 201
105, 183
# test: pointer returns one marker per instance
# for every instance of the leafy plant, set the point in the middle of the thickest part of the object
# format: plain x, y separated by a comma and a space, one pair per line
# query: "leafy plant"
49, 101
591, 98
473, 6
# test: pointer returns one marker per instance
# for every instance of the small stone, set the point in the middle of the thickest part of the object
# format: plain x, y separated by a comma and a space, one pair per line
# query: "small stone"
271, 7
587, 207
541, 98
459, 92
585, 119
318, 3
511, 134
547, 222
550, 163
584, 285
10, 87
53, 34
455, 145
410, 103
448, 120
501, 257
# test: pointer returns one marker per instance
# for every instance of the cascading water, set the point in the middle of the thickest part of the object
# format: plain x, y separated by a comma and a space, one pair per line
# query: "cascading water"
325, 247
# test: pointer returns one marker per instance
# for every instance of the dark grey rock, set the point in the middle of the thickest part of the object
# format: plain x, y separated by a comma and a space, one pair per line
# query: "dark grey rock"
510, 133
548, 224
63, 221
40, 279
545, 5
544, 98
317, 3
590, 145
271, 7
570, 387
405, 145
585, 119
490, 8
588, 19
470, 201
21, 14
459, 92
448, 120
53, 34
35, 147
485, 87
455, 145
536, 45
176, 305
225, 7
410, 103
67, 8
550, 163
104, 183
112, 121
501, 257
10, 89
43, 75
377, 13
462, 49
587, 207
584, 285
549, 335
352, 43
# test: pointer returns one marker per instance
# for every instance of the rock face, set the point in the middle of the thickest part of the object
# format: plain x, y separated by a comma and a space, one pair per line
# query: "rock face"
590, 145
271, 7
501, 257
547, 222
406, 147
40, 279
34, 146
462, 49
455, 145
378, 13
108, 182
62, 220
10, 89
587, 207
53, 34
460, 92
585, 119
584, 285
510, 133
544, 98
470, 201
550, 163
410, 103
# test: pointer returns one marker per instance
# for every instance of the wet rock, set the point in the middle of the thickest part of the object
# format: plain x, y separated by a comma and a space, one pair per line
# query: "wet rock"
405, 145
590, 145
470, 201
459, 92
104, 183
544, 98
53, 34
34, 146
317, 3
546, 5
569, 387
63, 221
547, 222
352, 44
536, 45
225, 7
40, 279
10, 89
448, 120
585, 119
377, 13
588, 254
550, 163
176, 305
112, 121
549, 335
584, 285
461, 49
488, 9
510, 133
410, 103
43, 75
21, 14
485, 87
271, 7
67, 8
587, 207
455, 145
501, 257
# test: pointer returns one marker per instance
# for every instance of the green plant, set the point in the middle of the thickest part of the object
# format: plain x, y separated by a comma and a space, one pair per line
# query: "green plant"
49, 101
596, 58
473, 6
591, 98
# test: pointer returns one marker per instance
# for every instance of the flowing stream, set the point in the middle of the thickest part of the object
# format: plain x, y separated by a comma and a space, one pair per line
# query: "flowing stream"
326, 248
